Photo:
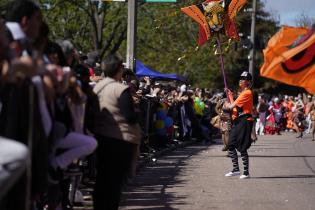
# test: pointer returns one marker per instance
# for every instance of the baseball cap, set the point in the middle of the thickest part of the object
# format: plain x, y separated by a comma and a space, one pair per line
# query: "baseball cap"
246, 76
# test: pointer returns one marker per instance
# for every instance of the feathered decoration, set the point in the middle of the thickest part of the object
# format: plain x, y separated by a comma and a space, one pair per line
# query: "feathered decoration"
215, 16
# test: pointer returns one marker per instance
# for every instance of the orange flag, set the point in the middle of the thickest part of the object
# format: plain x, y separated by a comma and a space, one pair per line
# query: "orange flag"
290, 57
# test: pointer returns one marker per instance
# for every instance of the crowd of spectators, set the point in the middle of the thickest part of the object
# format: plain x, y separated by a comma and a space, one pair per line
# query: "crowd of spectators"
283, 113
48, 102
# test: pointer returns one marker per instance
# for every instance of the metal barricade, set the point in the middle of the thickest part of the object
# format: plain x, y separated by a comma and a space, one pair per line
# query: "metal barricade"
14, 158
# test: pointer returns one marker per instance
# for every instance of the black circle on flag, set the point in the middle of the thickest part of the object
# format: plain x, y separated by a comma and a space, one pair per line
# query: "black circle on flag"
300, 61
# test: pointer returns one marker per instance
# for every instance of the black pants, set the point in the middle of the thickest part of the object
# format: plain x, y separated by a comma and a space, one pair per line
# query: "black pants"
113, 163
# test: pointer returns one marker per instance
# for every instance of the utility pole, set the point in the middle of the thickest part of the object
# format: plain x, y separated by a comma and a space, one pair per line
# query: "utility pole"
252, 40
131, 34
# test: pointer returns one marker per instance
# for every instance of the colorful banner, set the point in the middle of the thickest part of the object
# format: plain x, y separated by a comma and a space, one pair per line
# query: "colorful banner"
290, 57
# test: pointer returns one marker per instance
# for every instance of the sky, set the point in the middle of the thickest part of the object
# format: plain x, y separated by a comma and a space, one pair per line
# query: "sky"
289, 10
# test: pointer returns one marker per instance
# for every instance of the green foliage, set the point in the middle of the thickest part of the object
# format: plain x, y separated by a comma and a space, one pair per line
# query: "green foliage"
167, 40
166, 37
91, 25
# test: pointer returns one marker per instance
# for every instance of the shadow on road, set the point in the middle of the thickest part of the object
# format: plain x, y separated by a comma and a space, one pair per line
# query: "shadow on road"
285, 177
270, 156
147, 190
281, 156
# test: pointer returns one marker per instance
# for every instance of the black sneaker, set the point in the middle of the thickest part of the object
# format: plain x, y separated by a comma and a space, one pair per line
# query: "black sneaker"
73, 170
225, 148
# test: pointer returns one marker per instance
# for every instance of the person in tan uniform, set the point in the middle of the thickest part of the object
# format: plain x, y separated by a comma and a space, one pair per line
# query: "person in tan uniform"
118, 134
225, 122
307, 109
312, 115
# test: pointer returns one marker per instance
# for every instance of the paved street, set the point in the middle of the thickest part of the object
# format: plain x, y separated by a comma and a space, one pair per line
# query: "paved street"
282, 177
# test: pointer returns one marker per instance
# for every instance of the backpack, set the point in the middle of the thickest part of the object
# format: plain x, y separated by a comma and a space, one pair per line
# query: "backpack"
92, 109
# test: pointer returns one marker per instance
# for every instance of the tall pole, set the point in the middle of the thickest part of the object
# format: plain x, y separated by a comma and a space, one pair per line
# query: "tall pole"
131, 34
252, 40
222, 66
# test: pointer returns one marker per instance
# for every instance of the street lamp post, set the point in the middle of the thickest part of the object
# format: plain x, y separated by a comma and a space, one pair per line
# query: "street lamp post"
131, 34
132, 29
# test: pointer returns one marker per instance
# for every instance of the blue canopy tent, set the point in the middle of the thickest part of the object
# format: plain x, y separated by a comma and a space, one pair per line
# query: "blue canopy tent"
142, 71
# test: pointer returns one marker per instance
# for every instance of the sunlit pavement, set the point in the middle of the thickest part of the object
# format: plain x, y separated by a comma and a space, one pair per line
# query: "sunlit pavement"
282, 177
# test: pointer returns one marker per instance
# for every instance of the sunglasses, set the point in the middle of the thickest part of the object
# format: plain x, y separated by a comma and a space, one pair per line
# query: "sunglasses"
243, 78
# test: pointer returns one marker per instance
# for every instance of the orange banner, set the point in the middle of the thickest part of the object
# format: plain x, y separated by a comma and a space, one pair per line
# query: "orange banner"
290, 58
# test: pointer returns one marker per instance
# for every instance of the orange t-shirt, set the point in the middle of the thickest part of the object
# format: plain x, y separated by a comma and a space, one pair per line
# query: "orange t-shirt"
244, 101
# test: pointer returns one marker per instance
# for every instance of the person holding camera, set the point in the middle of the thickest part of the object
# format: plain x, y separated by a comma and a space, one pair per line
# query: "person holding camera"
118, 134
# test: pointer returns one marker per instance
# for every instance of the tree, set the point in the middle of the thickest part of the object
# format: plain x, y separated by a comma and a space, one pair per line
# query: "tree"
91, 25
303, 20
167, 40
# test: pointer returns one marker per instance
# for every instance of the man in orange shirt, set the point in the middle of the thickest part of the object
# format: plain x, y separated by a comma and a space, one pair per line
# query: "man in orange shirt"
242, 124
